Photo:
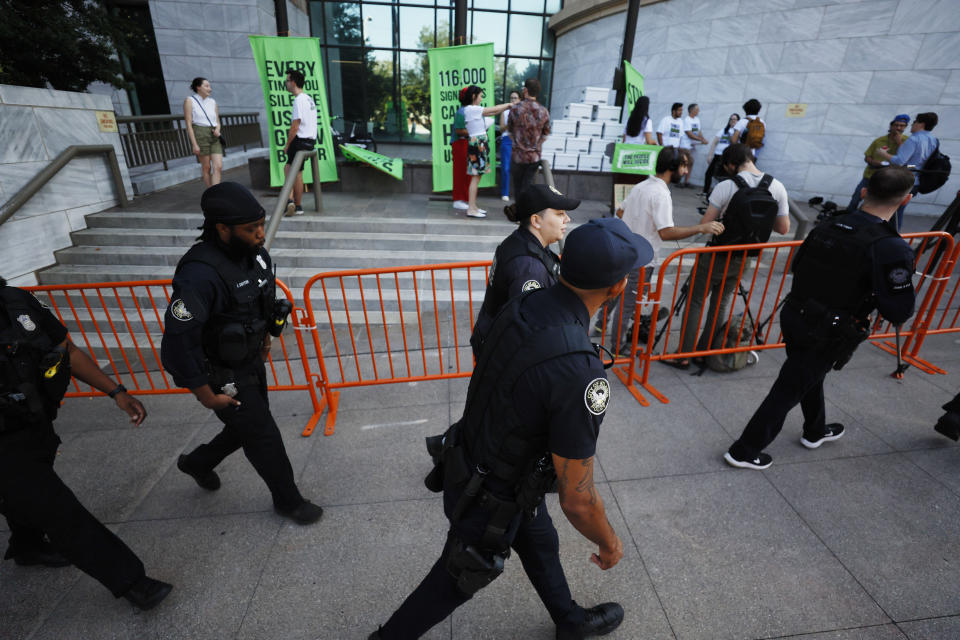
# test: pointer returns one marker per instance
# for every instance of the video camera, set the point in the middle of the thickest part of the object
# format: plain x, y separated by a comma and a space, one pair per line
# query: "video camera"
826, 210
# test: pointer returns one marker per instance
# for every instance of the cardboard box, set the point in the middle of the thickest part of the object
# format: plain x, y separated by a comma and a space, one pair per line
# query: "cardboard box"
563, 128
590, 162
590, 129
567, 161
598, 146
555, 143
578, 145
608, 113
595, 95
578, 111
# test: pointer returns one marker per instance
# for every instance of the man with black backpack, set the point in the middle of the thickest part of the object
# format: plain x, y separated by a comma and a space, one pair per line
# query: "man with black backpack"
921, 151
752, 129
750, 206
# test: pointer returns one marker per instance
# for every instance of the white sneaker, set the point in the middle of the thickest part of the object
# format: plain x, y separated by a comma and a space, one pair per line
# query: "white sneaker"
505, 198
460, 204
479, 213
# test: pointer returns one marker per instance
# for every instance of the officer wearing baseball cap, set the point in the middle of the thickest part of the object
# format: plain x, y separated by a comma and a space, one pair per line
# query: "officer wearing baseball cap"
216, 337
533, 411
523, 261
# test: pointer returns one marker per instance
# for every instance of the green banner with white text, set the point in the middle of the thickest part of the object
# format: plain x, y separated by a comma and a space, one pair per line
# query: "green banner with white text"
635, 158
634, 83
451, 69
274, 56
391, 166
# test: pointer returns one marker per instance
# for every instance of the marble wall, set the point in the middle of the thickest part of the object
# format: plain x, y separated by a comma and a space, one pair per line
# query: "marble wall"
855, 63
35, 126
210, 39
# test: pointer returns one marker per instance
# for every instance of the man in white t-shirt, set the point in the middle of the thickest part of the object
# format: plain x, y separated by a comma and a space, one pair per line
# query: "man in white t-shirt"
302, 134
741, 132
648, 211
691, 136
670, 131
724, 275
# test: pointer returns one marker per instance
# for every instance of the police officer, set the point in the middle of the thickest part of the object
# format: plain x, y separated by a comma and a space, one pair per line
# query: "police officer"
48, 525
532, 417
847, 267
217, 335
523, 261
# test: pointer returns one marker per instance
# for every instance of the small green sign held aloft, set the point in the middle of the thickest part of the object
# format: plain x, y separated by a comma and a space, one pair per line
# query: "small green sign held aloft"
635, 158
391, 166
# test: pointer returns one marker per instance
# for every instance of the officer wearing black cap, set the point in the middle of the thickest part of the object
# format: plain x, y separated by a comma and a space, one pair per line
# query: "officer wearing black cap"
48, 525
216, 337
523, 261
532, 417
847, 267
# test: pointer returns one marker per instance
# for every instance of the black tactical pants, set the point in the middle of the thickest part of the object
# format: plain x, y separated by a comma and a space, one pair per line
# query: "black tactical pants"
251, 427
534, 541
800, 382
35, 502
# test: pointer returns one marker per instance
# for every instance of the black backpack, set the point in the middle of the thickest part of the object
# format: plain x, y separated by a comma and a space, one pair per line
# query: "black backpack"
935, 171
750, 214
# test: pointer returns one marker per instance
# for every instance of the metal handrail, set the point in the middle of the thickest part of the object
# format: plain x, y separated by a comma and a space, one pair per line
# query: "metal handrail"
278, 211
803, 222
44, 176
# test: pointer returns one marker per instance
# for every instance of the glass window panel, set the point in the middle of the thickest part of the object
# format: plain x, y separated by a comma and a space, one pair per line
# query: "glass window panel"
342, 22
429, 3
529, 6
491, 4
316, 20
546, 80
525, 35
519, 70
549, 41
414, 109
553, 6
345, 84
489, 27
378, 25
416, 28
444, 20
381, 115
499, 71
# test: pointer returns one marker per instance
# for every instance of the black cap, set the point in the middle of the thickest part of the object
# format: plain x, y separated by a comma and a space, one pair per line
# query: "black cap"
230, 203
599, 253
537, 197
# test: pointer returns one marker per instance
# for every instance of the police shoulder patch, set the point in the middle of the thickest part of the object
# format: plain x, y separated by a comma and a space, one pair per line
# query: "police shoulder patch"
530, 285
898, 277
597, 395
179, 311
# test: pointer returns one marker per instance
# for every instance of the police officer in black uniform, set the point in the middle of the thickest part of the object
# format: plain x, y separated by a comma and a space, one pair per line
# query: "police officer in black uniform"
532, 417
48, 525
523, 261
216, 337
847, 267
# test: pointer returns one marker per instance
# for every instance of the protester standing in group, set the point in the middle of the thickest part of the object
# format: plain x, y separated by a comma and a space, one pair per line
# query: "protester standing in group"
202, 117
639, 127
670, 131
458, 150
889, 143
529, 125
751, 130
478, 122
692, 135
506, 149
302, 135
915, 151
720, 142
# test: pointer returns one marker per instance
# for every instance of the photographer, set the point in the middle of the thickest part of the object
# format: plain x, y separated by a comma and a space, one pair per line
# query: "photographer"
218, 325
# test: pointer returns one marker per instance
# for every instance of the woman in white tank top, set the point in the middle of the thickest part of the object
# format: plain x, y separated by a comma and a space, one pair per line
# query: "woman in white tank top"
203, 127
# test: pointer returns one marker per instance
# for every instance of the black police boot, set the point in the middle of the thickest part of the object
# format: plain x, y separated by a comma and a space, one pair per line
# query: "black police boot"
208, 480
304, 513
949, 425
43, 556
146, 593
600, 620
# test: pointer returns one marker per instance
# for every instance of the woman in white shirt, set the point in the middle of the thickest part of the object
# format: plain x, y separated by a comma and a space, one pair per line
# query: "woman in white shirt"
639, 128
478, 150
720, 142
203, 127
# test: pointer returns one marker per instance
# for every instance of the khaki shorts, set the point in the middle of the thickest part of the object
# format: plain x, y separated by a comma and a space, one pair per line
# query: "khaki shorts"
208, 144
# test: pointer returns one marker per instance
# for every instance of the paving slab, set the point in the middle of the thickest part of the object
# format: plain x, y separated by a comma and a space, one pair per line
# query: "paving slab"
947, 628
29, 594
91, 414
896, 529
942, 464
878, 632
729, 558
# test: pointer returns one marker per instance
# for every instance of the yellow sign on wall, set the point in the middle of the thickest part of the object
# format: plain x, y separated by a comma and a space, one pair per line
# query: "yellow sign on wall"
797, 110
107, 121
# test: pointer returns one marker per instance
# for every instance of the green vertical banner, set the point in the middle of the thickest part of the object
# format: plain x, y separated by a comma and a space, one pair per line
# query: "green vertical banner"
274, 56
451, 69
634, 83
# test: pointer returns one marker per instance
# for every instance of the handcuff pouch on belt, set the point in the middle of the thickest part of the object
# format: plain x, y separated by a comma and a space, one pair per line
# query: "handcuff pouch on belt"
840, 332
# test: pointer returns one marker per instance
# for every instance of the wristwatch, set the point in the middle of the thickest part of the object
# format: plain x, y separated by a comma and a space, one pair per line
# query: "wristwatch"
117, 391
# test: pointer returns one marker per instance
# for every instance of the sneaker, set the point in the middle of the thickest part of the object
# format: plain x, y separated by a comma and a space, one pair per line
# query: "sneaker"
304, 513
146, 593
479, 213
208, 480
298, 211
460, 204
291, 208
598, 621
831, 432
760, 462
505, 198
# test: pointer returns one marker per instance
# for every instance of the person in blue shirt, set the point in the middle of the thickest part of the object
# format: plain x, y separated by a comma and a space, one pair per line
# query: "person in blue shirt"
915, 151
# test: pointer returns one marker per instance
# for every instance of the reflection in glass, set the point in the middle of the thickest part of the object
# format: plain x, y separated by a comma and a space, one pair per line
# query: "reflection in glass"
553, 6
549, 40
499, 4
415, 97
381, 111
489, 27
525, 35
345, 84
519, 70
378, 26
342, 22
416, 28
546, 80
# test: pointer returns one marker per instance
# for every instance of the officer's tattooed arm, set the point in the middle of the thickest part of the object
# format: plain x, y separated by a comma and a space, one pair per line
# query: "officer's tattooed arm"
583, 507
86, 370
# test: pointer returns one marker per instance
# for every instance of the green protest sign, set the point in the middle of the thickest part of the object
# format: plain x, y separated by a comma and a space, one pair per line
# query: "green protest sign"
635, 158
634, 84
274, 56
451, 69
390, 166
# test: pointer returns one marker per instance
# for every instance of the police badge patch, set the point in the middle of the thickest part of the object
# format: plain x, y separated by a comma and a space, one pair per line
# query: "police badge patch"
530, 285
27, 322
899, 278
260, 260
179, 311
597, 395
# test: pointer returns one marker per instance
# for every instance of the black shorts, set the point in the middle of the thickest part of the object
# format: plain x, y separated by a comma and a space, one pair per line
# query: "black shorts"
298, 144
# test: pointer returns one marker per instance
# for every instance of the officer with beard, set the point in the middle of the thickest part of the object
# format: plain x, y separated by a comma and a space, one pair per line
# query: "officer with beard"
217, 333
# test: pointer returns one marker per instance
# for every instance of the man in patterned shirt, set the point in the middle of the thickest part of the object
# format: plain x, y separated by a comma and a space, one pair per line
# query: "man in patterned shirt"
529, 124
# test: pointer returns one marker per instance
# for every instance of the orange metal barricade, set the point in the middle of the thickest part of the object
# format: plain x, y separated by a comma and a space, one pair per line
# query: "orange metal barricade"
122, 323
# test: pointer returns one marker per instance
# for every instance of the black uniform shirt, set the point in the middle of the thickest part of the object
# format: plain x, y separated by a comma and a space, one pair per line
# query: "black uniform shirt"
571, 392
39, 315
892, 275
